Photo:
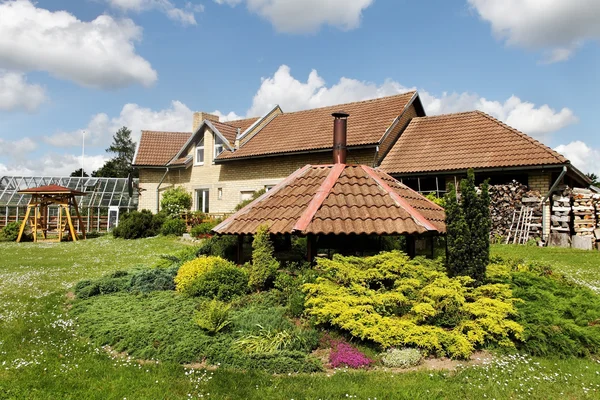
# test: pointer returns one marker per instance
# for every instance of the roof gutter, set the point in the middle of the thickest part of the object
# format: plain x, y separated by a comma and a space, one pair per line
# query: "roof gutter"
158, 189
481, 169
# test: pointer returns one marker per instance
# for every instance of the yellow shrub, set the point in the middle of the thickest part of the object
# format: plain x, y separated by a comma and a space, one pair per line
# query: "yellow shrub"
191, 270
394, 301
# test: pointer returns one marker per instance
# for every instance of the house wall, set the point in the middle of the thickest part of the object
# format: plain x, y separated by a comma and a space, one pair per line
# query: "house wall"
233, 177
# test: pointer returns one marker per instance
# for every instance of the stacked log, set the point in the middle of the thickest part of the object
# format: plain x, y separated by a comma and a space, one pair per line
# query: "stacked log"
596, 201
506, 202
561, 210
584, 212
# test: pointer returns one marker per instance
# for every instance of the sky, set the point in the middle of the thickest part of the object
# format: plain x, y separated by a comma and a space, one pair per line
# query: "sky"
70, 68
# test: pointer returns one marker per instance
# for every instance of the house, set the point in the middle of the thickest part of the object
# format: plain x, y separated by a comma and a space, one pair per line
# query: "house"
223, 163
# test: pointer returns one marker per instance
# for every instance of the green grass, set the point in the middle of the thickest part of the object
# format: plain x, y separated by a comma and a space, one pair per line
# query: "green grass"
581, 266
42, 356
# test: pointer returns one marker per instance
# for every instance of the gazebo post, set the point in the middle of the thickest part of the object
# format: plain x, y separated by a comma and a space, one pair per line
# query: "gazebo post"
411, 246
81, 225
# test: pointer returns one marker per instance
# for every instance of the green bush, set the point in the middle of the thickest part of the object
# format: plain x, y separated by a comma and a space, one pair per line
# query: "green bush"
204, 228
178, 258
392, 300
401, 358
173, 226
264, 265
192, 270
223, 282
135, 225
559, 317
213, 316
10, 232
219, 246
151, 280
158, 220
175, 201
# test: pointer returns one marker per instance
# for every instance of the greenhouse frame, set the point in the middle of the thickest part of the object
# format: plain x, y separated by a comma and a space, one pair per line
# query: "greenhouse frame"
104, 196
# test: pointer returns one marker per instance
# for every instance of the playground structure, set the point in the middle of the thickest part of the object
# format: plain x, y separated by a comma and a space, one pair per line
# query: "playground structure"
41, 198
100, 204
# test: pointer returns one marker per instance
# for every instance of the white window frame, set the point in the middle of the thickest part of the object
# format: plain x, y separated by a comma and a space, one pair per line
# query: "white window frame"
199, 149
269, 187
202, 200
218, 147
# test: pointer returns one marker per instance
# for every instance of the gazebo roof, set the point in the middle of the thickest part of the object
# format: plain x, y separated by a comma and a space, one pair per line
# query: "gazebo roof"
51, 189
338, 199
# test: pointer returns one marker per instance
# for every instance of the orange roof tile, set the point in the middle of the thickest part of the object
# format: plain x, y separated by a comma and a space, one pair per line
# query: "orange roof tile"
158, 148
229, 131
464, 140
338, 199
243, 124
311, 129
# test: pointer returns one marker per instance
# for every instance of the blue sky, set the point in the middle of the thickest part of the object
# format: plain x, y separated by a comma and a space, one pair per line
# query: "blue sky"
95, 65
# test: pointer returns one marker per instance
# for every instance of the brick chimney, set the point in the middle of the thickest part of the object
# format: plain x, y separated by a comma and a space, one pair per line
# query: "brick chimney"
340, 126
201, 116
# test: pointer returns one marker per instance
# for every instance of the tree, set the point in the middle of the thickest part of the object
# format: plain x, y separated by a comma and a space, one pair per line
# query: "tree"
594, 178
176, 200
120, 165
77, 173
468, 226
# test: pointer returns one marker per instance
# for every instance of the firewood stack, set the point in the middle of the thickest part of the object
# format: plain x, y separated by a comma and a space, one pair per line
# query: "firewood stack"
596, 201
584, 212
508, 198
561, 210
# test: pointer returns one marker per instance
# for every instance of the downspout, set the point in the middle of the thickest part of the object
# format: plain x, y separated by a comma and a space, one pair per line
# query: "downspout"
552, 188
158, 188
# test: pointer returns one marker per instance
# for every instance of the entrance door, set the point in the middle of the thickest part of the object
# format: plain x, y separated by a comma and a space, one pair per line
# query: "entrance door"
202, 200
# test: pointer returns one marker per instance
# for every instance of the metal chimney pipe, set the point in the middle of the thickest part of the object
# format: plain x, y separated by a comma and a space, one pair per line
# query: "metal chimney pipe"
340, 127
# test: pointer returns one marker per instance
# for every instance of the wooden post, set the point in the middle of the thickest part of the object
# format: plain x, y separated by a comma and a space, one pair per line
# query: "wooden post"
70, 222
23, 224
59, 227
35, 222
80, 221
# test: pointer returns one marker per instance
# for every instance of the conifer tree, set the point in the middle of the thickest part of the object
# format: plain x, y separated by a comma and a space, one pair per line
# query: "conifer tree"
457, 235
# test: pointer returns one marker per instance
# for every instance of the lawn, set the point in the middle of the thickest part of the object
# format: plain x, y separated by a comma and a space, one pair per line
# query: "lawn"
43, 357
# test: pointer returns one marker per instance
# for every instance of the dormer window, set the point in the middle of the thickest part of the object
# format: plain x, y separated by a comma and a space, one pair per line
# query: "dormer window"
200, 153
218, 146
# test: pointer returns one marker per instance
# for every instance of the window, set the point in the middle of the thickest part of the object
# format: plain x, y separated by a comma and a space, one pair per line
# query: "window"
246, 195
220, 193
200, 153
202, 200
218, 146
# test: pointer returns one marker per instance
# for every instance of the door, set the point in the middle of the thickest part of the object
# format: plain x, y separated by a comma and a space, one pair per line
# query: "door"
202, 200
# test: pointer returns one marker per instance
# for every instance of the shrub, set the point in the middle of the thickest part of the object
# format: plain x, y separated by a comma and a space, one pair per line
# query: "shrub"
213, 316
10, 232
151, 280
204, 228
401, 358
468, 226
219, 246
264, 265
178, 258
223, 282
192, 270
158, 220
175, 201
265, 341
394, 301
135, 225
173, 226
342, 354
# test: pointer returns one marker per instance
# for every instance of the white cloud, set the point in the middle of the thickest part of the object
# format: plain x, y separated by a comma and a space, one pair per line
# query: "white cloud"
185, 16
99, 53
53, 164
581, 156
17, 94
292, 95
101, 127
306, 16
17, 149
557, 27
231, 116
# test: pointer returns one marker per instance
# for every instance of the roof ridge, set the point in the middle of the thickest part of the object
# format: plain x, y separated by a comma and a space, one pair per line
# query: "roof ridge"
554, 153
350, 103
151, 131
448, 114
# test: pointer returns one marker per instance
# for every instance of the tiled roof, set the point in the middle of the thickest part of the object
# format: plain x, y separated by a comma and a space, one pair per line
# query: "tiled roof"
181, 161
338, 199
158, 148
229, 131
312, 129
51, 189
243, 124
461, 141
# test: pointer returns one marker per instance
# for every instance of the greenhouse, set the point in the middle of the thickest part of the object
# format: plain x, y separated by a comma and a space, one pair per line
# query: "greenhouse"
103, 197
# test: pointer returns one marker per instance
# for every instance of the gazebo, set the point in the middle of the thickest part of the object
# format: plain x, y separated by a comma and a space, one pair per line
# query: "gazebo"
339, 199
41, 198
